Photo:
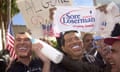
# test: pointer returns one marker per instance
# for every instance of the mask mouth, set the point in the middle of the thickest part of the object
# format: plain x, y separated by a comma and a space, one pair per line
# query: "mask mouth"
22, 48
76, 47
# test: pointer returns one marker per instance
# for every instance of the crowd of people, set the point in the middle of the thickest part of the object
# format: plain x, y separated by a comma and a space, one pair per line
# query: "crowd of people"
82, 53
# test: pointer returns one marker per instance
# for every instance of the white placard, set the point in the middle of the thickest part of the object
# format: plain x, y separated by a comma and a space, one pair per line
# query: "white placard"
36, 12
75, 18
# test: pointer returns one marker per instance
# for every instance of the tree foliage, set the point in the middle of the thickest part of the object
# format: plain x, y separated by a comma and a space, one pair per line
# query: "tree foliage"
14, 8
8, 8
5, 9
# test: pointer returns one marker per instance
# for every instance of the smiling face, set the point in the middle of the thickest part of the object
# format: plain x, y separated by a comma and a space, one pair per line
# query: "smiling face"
73, 45
114, 57
22, 45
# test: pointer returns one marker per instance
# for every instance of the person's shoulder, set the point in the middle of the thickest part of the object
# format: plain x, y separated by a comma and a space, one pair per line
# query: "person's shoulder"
15, 65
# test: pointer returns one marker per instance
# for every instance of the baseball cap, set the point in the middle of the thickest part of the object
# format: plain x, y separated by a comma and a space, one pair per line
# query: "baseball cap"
98, 37
111, 40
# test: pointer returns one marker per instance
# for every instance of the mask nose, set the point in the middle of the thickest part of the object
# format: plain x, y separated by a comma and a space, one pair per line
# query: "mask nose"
22, 41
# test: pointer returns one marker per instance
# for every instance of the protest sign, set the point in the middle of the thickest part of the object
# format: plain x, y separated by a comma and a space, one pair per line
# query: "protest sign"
106, 18
100, 21
74, 18
36, 13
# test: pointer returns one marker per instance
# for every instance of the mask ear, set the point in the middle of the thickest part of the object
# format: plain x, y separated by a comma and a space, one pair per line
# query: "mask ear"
63, 48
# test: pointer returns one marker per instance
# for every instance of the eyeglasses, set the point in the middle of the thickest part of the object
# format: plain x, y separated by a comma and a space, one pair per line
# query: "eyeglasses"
88, 40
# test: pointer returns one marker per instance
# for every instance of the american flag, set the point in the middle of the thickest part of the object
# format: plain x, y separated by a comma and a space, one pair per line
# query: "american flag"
44, 28
50, 30
10, 42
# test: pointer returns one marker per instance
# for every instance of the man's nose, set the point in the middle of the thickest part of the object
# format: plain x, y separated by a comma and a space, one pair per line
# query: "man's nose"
109, 56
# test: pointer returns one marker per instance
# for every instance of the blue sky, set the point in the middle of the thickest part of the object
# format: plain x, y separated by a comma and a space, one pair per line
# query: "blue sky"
83, 2
19, 20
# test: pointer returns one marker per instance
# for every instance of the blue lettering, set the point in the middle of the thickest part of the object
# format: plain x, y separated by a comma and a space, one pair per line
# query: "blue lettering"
73, 19
72, 16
